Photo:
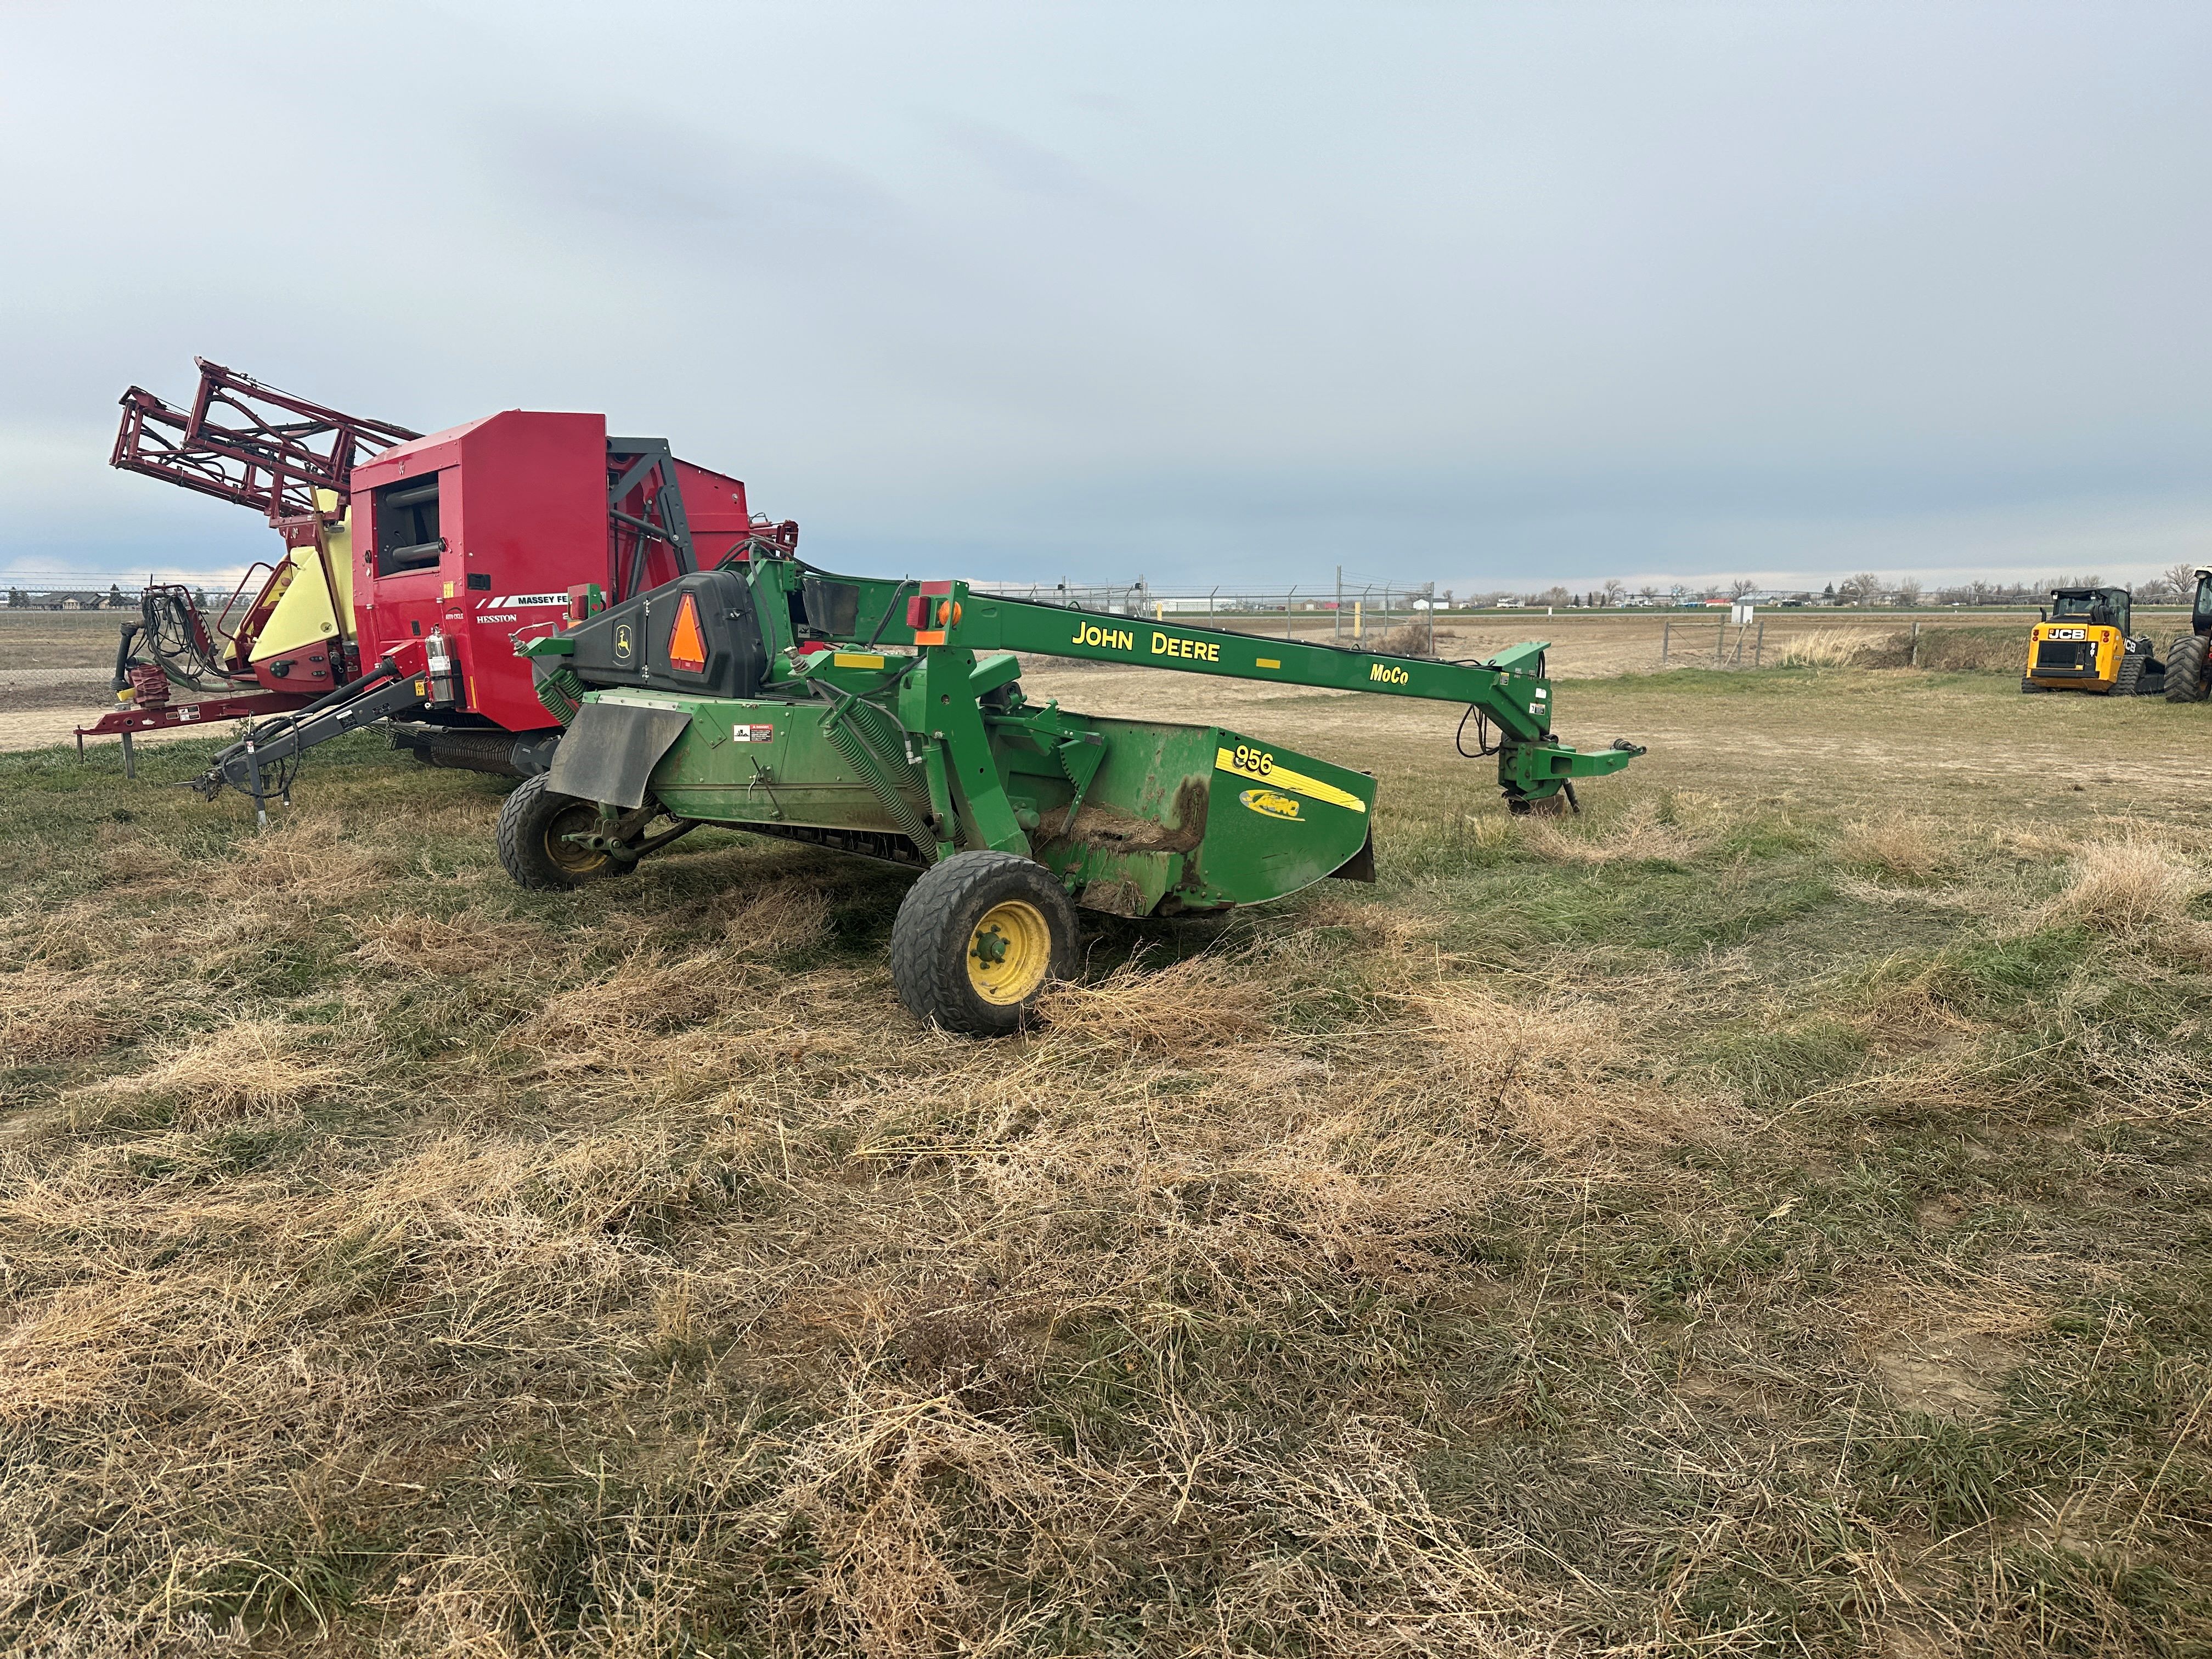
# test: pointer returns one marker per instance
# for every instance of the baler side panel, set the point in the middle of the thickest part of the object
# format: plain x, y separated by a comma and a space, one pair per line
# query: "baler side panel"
532, 521
522, 509
715, 505
389, 611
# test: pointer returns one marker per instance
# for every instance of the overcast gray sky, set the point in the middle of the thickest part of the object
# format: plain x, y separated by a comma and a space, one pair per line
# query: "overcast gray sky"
1485, 293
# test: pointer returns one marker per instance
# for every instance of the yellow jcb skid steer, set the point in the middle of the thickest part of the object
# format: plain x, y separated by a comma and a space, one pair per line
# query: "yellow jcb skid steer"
2086, 643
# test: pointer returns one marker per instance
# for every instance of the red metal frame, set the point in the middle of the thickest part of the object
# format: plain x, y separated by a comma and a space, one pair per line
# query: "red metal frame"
249, 443
222, 611
201, 711
253, 446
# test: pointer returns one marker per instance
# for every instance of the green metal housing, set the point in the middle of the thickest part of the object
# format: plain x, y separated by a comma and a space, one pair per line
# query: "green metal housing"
888, 719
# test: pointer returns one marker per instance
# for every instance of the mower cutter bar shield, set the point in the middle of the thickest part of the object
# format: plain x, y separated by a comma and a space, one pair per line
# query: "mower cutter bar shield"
610, 750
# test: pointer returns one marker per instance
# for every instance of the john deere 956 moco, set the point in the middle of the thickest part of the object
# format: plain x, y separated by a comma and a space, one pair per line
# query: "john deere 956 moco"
887, 720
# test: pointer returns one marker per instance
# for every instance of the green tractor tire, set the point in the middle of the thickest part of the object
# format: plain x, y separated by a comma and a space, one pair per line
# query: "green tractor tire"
978, 938
2186, 679
532, 824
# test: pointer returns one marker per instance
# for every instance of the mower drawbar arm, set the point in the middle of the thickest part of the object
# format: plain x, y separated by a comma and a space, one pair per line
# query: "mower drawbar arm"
1506, 696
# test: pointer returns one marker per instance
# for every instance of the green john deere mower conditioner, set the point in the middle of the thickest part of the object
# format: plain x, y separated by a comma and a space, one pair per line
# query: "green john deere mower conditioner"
887, 720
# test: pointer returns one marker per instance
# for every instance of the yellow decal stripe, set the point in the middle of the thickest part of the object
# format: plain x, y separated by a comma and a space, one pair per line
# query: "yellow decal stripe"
1281, 777
855, 659
1267, 662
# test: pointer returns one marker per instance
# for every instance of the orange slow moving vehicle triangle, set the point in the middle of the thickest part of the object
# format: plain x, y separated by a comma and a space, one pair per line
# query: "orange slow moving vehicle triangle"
687, 647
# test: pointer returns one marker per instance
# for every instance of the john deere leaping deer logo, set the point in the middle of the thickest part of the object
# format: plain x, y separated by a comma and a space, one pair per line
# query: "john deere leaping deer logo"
625, 643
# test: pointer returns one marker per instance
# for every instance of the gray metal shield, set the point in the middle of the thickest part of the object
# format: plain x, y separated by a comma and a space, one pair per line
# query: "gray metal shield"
610, 751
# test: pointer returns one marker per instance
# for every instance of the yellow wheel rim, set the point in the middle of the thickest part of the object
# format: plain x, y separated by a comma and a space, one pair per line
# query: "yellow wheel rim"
1010, 953
580, 819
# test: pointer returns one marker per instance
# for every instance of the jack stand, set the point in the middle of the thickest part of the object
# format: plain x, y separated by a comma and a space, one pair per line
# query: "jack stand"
260, 804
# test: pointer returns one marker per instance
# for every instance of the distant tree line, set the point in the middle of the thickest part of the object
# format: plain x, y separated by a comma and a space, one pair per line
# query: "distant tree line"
2175, 584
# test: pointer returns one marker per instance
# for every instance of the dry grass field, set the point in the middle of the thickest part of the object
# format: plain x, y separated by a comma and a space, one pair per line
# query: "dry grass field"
54, 670
60, 639
1764, 1215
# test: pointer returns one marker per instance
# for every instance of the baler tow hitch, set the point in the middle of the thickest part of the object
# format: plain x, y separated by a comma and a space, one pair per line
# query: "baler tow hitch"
263, 762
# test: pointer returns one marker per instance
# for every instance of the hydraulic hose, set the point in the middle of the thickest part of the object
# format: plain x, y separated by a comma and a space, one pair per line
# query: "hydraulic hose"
862, 759
121, 683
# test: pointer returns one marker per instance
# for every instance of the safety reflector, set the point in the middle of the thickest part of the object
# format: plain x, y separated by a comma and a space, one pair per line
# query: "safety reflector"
687, 646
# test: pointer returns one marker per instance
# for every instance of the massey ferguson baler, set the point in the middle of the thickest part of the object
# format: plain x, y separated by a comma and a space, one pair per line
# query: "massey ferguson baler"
410, 562
888, 720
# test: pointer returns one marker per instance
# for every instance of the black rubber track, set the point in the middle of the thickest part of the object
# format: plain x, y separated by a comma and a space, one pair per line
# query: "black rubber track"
929, 939
2185, 670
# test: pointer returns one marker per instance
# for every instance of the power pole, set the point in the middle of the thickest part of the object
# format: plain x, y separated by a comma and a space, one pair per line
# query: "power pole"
1338, 637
